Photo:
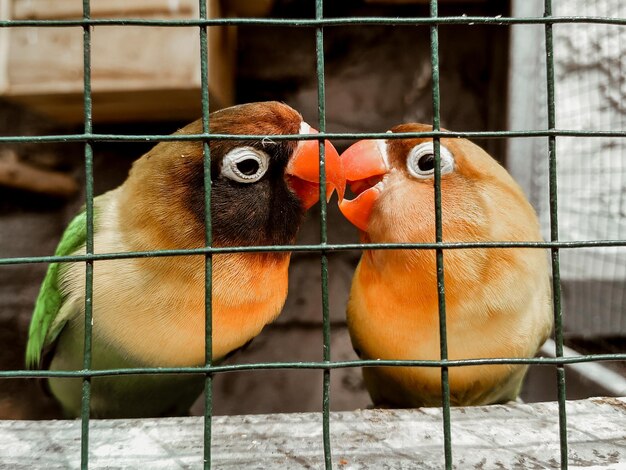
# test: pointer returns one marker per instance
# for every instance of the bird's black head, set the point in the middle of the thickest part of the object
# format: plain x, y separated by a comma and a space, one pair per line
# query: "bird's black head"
260, 187
250, 201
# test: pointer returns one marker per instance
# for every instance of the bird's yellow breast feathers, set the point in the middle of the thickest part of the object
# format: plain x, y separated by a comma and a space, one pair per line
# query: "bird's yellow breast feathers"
165, 325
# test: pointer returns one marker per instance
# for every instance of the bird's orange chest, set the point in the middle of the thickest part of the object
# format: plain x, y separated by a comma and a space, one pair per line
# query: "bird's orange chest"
247, 293
393, 315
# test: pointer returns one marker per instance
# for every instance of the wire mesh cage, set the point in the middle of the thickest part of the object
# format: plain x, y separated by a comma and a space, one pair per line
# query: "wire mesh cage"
573, 248
589, 62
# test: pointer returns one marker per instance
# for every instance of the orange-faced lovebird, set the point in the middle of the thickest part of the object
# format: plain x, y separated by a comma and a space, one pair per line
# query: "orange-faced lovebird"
497, 300
150, 311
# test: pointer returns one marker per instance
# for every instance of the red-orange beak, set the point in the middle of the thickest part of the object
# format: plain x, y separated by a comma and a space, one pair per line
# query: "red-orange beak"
303, 170
364, 165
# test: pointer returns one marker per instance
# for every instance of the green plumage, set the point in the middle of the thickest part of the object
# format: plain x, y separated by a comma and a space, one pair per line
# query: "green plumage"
50, 299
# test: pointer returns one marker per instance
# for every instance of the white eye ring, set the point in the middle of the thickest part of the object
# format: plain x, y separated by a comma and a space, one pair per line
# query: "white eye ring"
427, 149
231, 164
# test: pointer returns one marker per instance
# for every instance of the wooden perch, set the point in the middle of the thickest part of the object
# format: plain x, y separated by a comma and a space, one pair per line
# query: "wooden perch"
16, 174
498, 436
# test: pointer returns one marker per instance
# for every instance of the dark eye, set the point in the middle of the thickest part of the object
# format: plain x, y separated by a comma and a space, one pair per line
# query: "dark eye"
426, 162
248, 167
245, 164
421, 161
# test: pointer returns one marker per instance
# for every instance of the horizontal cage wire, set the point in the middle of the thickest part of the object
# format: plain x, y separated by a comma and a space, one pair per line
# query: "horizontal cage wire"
324, 249
322, 22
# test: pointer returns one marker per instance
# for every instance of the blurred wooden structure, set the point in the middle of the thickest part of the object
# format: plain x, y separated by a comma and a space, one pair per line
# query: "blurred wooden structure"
16, 174
404, 2
137, 72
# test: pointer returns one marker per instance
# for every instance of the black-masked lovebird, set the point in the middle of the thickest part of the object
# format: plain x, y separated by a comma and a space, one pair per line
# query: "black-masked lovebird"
150, 311
498, 300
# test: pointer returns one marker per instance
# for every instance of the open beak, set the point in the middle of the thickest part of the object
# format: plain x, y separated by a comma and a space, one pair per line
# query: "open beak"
303, 170
364, 165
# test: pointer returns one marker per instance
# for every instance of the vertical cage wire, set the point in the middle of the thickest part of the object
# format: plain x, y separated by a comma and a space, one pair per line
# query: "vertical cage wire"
589, 64
86, 391
321, 109
208, 258
441, 289
554, 236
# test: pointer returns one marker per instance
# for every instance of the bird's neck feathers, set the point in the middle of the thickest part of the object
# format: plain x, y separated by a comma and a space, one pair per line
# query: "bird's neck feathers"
414, 271
411, 277
478, 282
153, 203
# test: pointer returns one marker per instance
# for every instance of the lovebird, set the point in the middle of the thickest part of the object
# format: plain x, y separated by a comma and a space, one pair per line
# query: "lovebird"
498, 301
150, 312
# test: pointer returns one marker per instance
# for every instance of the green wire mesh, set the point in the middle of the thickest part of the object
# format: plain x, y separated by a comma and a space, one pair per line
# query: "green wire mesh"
321, 108
554, 236
208, 273
323, 248
86, 395
441, 288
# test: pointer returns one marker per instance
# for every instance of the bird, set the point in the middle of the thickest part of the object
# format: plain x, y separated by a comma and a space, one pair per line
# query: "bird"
497, 300
150, 311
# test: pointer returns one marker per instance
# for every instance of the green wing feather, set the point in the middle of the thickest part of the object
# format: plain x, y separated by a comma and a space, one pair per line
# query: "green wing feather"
50, 299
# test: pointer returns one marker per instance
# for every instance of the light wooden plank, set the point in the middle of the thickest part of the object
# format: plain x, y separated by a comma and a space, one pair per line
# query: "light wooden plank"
69, 9
51, 59
502, 436
5, 8
163, 104
43, 67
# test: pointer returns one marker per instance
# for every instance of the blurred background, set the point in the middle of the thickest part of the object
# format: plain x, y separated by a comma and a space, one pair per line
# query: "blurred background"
146, 80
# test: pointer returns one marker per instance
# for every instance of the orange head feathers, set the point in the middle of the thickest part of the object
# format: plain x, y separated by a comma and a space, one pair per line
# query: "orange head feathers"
394, 183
